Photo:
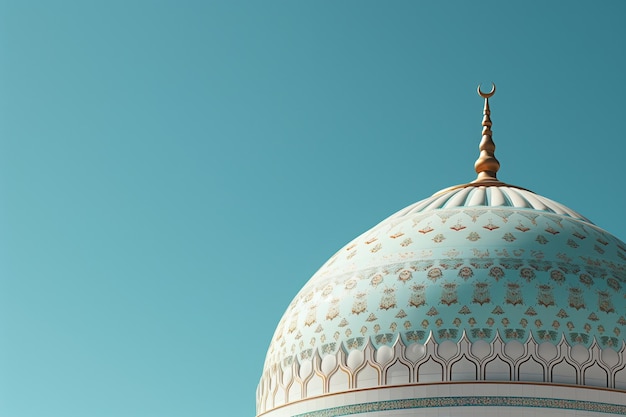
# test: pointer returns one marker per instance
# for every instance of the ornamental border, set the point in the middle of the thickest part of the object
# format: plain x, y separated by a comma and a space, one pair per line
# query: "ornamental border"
483, 401
270, 397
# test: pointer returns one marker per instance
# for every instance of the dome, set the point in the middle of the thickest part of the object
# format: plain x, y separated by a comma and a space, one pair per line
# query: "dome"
458, 262
480, 282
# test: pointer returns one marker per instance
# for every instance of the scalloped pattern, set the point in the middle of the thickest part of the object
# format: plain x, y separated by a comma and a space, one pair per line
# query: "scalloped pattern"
530, 361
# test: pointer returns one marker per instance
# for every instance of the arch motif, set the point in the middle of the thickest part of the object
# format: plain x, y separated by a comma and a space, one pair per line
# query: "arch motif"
285, 387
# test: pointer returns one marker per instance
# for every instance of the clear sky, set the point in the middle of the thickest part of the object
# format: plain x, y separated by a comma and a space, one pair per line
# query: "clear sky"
172, 172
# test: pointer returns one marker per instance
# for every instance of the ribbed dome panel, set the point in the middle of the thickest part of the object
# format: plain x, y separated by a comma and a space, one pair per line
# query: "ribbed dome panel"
489, 196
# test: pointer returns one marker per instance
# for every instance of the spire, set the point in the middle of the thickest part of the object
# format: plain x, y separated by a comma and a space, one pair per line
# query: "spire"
486, 165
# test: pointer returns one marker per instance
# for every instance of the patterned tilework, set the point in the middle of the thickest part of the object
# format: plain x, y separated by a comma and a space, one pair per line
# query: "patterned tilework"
415, 403
474, 269
476, 261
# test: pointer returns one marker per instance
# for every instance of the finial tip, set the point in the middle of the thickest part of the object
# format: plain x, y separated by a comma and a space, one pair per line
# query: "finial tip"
489, 94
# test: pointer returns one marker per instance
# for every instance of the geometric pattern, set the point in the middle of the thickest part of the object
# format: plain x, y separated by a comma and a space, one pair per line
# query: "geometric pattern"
515, 272
479, 264
477, 401
532, 361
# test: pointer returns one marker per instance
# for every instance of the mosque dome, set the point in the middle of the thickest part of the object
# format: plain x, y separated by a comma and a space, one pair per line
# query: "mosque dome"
484, 285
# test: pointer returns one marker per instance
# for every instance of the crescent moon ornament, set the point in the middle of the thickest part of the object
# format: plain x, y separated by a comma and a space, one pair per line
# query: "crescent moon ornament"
489, 94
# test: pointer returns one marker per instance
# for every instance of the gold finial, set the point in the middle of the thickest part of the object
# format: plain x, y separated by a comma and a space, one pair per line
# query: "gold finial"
486, 165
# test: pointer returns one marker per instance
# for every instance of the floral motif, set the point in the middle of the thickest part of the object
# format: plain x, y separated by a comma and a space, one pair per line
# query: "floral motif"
514, 333
432, 312
579, 337
355, 343
351, 283
405, 275
586, 280
604, 302
527, 274
415, 335
406, 242
401, 314
417, 298
572, 244
373, 300
575, 298
497, 310
552, 231
490, 226
448, 333
496, 272
434, 274
388, 299
481, 293
614, 284
547, 334
465, 310
509, 237
426, 229
557, 276
333, 310
383, 339
448, 294
360, 304
458, 226
466, 272
311, 316
376, 280
481, 333
439, 238
545, 297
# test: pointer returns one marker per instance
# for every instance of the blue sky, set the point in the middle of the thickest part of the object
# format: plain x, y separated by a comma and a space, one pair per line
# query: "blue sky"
172, 172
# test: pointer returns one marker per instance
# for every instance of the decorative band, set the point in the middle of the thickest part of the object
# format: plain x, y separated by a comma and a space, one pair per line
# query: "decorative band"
411, 403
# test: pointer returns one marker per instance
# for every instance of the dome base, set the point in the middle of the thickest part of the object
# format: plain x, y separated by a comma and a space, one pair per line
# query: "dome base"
463, 399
